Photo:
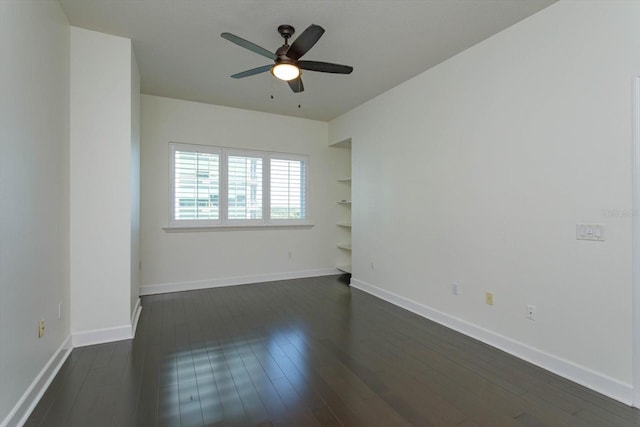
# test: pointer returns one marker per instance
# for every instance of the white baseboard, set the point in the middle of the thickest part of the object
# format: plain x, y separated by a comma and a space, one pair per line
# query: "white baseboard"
27, 403
100, 336
584, 376
135, 316
117, 333
163, 288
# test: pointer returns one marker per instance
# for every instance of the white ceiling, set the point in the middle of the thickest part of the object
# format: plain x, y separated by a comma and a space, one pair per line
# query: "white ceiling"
181, 55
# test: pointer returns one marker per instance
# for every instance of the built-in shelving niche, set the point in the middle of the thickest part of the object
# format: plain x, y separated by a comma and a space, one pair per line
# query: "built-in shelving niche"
343, 223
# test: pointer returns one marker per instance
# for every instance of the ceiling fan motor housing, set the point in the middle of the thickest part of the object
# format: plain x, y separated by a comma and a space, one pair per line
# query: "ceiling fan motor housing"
281, 53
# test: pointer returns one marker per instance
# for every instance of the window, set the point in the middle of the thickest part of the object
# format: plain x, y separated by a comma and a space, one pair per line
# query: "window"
195, 185
244, 197
213, 186
287, 189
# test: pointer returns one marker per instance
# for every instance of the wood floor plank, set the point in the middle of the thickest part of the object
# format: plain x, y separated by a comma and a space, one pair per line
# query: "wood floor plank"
309, 352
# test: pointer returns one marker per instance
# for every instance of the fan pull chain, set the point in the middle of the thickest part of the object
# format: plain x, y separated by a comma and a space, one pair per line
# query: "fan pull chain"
300, 95
271, 89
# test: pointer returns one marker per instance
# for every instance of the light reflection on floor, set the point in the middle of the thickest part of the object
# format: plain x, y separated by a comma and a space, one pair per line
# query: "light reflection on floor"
217, 382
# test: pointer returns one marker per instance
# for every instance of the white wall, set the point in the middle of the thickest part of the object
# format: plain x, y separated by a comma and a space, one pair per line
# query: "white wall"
477, 172
135, 184
223, 257
34, 195
102, 173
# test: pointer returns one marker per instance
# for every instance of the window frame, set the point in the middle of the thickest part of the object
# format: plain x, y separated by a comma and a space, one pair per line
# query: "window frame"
223, 220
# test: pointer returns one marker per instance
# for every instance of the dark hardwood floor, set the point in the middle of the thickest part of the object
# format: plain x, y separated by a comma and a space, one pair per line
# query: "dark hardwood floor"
307, 352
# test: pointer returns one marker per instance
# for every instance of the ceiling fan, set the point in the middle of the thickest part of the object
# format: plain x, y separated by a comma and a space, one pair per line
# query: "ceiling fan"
288, 65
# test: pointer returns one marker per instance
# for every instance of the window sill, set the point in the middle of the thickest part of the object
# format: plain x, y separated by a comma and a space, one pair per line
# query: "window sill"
235, 227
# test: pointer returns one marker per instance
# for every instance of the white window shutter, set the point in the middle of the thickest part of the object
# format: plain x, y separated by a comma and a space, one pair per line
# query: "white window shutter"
288, 189
196, 185
244, 193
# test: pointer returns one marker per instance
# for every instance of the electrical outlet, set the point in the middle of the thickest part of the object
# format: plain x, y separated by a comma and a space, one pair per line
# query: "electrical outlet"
532, 312
488, 298
590, 232
455, 289
41, 328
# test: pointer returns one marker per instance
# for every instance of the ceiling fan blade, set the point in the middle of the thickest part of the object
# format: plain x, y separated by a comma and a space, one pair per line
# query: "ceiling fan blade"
248, 45
325, 67
252, 72
305, 41
296, 85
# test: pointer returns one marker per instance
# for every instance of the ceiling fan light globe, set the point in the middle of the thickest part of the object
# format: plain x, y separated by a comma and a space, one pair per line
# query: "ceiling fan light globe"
285, 72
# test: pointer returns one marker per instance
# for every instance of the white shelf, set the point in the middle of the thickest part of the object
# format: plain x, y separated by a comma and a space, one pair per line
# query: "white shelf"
345, 246
344, 202
345, 180
344, 224
345, 268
